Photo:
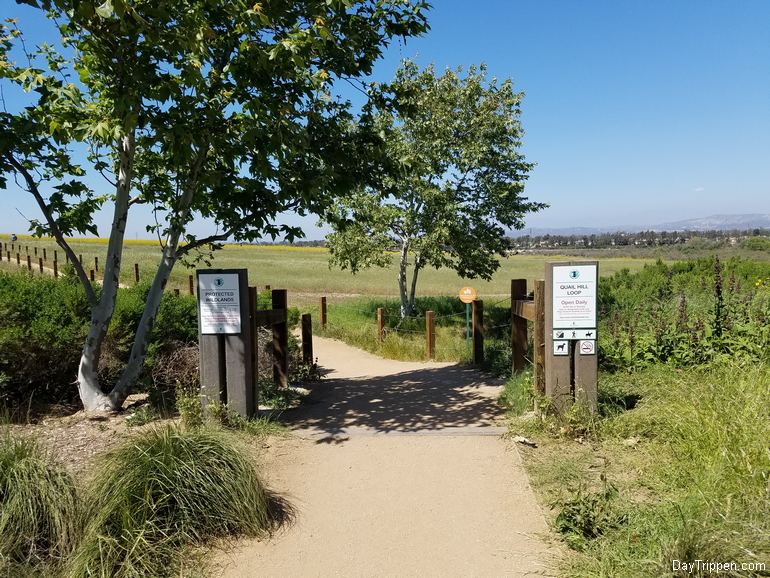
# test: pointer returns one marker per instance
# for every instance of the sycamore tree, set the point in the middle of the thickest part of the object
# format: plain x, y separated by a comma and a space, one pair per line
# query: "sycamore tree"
196, 108
455, 183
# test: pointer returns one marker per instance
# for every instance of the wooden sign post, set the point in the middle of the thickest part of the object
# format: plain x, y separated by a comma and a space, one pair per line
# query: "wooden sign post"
226, 339
571, 322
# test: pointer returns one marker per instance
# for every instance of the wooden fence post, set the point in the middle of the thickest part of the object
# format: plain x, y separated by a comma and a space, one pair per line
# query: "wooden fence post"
96, 263
35, 249
191, 285
538, 337
477, 311
518, 328
55, 255
29, 263
280, 341
80, 257
93, 277
18, 259
45, 255
176, 292
56, 269
430, 335
136, 272
307, 339
323, 313
255, 341
40, 264
380, 323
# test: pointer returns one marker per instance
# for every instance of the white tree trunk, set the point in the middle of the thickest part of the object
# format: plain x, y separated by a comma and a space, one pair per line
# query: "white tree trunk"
406, 310
139, 347
413, 289
101, 314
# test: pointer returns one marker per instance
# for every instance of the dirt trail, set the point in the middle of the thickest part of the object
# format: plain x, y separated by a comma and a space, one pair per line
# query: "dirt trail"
398, 469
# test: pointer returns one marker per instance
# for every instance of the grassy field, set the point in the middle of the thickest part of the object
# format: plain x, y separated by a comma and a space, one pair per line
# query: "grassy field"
305, 271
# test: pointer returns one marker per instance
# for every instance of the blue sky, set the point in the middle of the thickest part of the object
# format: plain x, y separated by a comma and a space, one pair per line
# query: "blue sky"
635, 112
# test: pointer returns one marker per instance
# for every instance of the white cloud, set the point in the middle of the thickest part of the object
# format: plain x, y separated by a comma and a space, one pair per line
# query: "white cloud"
698, 189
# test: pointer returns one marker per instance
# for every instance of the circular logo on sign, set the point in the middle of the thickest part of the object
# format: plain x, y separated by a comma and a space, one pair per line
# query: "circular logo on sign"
218, 282
574, 274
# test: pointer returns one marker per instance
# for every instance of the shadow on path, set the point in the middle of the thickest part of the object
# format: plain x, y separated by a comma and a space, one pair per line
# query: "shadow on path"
417, 400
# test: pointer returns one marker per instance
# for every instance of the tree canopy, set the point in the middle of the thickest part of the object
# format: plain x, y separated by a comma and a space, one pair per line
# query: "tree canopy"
455, 184
197, 108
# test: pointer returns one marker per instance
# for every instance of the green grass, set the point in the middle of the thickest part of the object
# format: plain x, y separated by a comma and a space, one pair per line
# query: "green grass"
691, 462
161, 492
38, 508
305, 271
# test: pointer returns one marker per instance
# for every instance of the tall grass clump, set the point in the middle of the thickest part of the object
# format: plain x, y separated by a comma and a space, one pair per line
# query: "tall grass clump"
38, 507
697, 474
164, 490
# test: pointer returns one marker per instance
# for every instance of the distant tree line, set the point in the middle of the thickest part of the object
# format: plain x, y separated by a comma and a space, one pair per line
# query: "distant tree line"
733, 237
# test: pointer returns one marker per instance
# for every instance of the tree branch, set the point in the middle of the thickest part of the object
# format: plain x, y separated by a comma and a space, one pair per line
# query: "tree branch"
32, 188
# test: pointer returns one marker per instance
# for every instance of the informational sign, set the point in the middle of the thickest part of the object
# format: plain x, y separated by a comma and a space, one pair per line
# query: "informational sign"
467, 294
574, 297
587, 347
561, 347
220, 303
574, 333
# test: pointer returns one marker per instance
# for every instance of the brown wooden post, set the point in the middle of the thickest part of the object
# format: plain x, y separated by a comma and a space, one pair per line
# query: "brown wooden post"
558, 368
255, 345
45, 255
176, 292
56, 269
267, 288
136, 272
27, 249
93, 277
40, 264
226, 374
280, 341
380, 323
191, 284
307, 339
35, 249
81, 258
430, 335
477, 312
18, 259
96, 263
518, 328
55, 255
323, 313
29, 263
538, 337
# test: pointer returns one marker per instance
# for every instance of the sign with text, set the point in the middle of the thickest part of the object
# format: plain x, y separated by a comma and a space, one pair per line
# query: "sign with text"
574, 297
220, 303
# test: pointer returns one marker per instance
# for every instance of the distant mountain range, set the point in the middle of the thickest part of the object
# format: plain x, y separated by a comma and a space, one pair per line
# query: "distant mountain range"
712, 223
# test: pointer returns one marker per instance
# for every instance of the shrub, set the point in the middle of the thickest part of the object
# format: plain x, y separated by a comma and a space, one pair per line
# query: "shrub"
42, 328
43, 325
38, 505
166, 489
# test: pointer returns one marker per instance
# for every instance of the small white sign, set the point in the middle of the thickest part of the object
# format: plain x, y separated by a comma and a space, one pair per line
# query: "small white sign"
587, 347
574, 296
561, 347
574, 333
219, 303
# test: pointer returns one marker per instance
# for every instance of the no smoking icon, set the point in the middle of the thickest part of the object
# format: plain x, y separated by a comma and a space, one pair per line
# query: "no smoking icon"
587, 347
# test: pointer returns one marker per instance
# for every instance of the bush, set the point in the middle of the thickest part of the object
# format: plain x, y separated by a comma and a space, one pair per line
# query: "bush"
43, 325
38, 506
166, 489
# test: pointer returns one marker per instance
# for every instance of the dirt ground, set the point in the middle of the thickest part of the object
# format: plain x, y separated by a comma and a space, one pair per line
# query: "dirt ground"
398, 469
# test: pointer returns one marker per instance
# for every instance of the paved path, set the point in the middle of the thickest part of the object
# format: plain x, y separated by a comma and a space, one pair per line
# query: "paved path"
398, 469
